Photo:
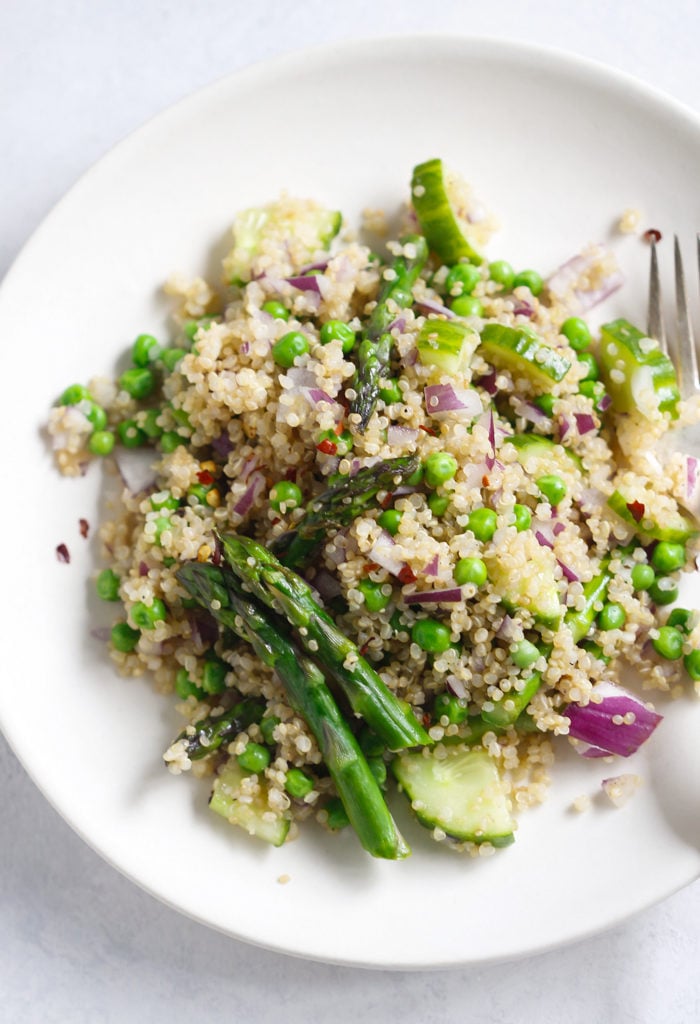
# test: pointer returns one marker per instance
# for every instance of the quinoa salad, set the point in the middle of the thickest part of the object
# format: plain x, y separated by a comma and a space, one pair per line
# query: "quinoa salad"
393, 523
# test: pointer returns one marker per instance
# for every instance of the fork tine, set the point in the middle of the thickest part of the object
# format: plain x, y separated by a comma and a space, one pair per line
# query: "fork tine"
655, 320
685, 357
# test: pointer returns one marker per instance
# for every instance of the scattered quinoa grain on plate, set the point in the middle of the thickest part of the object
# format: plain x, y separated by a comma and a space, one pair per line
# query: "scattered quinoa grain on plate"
388, 521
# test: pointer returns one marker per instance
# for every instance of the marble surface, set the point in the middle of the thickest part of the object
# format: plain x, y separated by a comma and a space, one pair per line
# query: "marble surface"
80, 943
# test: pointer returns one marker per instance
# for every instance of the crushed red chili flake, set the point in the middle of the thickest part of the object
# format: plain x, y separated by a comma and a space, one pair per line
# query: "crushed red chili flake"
484, 481
363, 650
84, 527
62, 553
427, 720
370, 567
290, 474
636, 510
205, 477
327, 447
428, 430
652, 235
387, 500
407, 575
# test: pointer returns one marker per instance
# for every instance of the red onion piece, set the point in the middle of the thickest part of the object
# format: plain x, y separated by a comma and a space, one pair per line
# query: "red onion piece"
564, 428
565, 278
245, 347
602, 724
435, 307
327, 585
585, 423
457, 687
314, 266
143, 569
222, 445
247, 468
432, 567
305, 283
135, 467
383, 553
522, 308
569, 573
543, 541
507, 628
530, 412
400, 436
399, 324
252, 491
317, 395
490, 460
488, 383
691, 475
590, 750
558, 528
604, 403
444, 399
451, 595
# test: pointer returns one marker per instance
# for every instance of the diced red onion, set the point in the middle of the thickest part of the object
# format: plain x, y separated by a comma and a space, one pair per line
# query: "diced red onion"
247, 468
507, 628
327, 585
245, 348
543, 541
252, 491
444, 399
557, 528
563, 280
399, 324
691, 475
564, 428
143, 569
399, 437
317, 395
383, 552
300, 377
435, 307
305, 283
451, 595
488, 383
432, 567
457, 686
222, 445
490, 460
314, 266
135, 467
569, 573
604, 403
530, 412
522, 308
590, 750
585, 423
602, 724
102, 633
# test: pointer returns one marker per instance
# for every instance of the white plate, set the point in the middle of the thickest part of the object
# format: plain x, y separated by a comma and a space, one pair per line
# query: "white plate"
559, 147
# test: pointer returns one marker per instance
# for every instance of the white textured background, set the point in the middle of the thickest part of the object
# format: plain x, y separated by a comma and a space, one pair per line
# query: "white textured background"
78, 943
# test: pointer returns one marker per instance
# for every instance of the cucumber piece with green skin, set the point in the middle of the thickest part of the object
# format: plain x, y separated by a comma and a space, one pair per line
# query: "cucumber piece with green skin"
594, 592
522, 352
460, 792
252, 225
447, 345
637, 374
536, 592
249, 816
537, 446
443, 230
677, 529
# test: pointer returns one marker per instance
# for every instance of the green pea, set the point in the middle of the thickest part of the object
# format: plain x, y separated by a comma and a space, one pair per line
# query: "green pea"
669, 643
390, 392
611, 616
590, 364
431, 636
130, 434
170, 357
107, 585
170, 440
595, 650
390, 520
502, 273
336, 330
124, 638
163, 499
530, 279
523, 517
163, 523
289, 347
101, 442
95, 414
470, 570
337, 815
298, 784
552, 488
524, 654
692, 664
450, 707
681, 619
275, 309
375, 599
185, 687
438, 503
138, 382
199, 493
169, 561
577, 333
546, 404
667, 557
190, 327
285, 496
255, 758
214, 676
439, 468
643, 576
145, 350
663, 591
377, 765
74, 394
467, 305
343, 442
482, 523
595, 390
145, 616
267, 728
462, 279
149, 425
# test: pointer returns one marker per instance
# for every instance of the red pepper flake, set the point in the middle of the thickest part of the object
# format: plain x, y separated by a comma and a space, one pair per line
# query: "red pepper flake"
327, 447
427, 720
63, 554
290, 474
205, 477
636, 510
363, 650
370, 567
274, 522
84, 527
407, 575
652, 235
428, 430
387, 500
484, 481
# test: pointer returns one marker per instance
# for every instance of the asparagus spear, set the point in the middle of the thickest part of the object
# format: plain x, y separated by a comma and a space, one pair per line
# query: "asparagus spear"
339, 506
374, 351
310, 697
393, 720
214, 730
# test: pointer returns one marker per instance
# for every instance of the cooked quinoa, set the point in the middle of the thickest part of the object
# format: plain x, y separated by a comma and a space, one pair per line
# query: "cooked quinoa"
225, 413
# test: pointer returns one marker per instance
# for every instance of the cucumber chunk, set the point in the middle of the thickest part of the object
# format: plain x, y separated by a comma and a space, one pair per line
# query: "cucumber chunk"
536, 590
522, 352
637, 374
447, 344
535, 446
444, 231
461, 793
676, 528
249, 816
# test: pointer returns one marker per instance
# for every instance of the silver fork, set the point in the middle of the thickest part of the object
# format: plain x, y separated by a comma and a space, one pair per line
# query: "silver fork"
680, 347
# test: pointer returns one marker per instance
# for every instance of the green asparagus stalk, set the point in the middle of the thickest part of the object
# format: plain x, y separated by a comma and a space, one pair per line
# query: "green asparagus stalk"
214, 730
594, 592
339, 506
374, 351
276, 586
310, 697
